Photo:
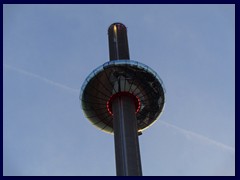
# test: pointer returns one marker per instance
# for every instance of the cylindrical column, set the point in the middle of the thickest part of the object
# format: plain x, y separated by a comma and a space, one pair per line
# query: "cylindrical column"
128, 162
118, 42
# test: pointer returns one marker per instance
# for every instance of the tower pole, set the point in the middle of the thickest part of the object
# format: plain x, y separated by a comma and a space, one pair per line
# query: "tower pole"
127, 151
123, 97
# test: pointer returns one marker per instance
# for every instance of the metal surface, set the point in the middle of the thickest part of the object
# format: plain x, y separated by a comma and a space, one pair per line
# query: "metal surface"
123, 97
124, 119
118, 42
127, 151
135, 78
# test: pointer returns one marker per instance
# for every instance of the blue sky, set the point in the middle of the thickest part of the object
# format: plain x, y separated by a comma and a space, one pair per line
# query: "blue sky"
49, 50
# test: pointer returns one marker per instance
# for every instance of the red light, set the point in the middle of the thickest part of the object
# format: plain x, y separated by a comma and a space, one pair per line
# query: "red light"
124, 93
108, 108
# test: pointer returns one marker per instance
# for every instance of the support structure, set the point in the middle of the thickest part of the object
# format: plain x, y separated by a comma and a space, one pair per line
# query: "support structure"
123, 97
127, 151
118, 42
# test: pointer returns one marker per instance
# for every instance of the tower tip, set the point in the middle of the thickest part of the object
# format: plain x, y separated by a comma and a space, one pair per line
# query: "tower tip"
119, 25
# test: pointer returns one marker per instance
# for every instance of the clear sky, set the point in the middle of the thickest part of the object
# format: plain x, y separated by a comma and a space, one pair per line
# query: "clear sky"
49, 50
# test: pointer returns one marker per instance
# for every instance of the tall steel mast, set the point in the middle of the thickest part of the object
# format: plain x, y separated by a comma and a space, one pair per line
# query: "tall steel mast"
123, 97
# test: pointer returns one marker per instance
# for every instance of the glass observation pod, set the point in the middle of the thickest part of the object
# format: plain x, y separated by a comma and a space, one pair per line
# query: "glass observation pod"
120, 77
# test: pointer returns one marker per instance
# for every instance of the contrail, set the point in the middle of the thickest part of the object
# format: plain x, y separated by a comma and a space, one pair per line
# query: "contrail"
199, 136
181, 130
72, 90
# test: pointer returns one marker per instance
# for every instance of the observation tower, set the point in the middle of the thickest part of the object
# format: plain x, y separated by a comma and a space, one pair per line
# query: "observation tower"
123, 97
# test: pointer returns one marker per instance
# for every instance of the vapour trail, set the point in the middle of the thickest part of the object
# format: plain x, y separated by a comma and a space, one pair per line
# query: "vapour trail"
72, 90
181, 130
188, 133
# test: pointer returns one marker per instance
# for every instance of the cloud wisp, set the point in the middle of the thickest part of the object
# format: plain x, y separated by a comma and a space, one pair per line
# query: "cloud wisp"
187, 133
69, 89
